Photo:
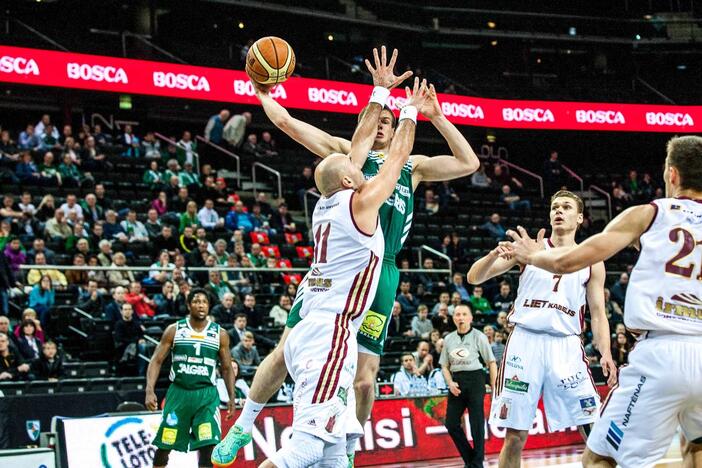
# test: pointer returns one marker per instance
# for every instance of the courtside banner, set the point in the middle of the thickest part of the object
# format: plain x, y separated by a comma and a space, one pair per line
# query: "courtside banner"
399, 430
100, 73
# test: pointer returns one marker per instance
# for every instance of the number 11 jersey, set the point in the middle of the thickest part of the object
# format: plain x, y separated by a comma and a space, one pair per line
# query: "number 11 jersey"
345, 271
665, 288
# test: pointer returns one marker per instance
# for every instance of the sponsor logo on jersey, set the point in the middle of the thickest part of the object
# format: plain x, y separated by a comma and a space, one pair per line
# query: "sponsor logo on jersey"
572, 381
588, 405
683, 312
459, 356
541, 304
210, 362
633, 400
18, 65
312, 423
506, 404
204, 431
516, 385
373, 325
194, 360
169, 435
614, 435
98, 73
514, 361
319, 284
193, 369
172, 419
343, 395
180, 357
329, 427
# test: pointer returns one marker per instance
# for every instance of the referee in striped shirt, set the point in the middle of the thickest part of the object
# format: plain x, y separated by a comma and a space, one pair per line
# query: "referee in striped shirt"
461, 367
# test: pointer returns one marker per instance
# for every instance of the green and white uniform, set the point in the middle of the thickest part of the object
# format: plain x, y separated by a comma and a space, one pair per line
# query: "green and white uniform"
395, 221
191, 411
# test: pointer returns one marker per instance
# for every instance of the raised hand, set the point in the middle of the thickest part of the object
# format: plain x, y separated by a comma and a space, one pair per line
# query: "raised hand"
431, 107
382, 73
418, 95
523, 246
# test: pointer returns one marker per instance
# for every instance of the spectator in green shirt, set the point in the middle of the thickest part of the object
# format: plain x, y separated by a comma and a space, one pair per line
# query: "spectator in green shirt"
172, 170
187, 177
48, 170
258, 260
480, 304
153, 177
70, 175
189, 218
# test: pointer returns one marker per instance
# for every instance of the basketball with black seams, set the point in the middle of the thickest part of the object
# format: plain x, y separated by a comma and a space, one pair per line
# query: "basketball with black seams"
270, 61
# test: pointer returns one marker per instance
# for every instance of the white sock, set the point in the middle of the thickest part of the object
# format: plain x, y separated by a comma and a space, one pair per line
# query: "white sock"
249, 414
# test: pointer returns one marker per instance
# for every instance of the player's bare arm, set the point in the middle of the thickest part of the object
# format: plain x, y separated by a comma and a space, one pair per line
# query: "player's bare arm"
225, 362
599, 323
374, 193
623, 231
160, 354
462, 162
491, 265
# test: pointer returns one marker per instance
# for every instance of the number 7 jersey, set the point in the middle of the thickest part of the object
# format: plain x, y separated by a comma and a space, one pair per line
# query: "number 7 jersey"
344, 275
665, 288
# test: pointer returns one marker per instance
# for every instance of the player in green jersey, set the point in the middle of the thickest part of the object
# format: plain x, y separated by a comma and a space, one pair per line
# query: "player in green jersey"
191, 410
395, 218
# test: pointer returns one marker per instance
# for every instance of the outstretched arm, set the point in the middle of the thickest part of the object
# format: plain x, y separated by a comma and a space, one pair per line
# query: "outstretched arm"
463, 160
373, 193
160, 354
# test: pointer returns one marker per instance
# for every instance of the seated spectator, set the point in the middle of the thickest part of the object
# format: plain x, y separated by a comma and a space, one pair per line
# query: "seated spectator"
494, 227
444, 298
181, 299
91, 300
153, 225
189, 217
97, 234
246, 353
442, 321
38, 245
398, 323
480, 177
49, 171
458, 286
165, 301
431, 202
188, 178
305, 183
620, 349
618, 291
28, 345
513, 200
208, 216
241, 388
26, 206
131, 141
129, 340
15, 255
119, 276
501, 176
505, 299
12, 367
407, 301
480, 304
433, 282
251, 147
268, 145
489, 332
153, 177
421, 326
49, 139
102, 200
216, 286
423, 359
279, 312
42, 298
248, 308
70, 175
92, 212
143, 307
112, 229
447, 195
28, 314
160, 203
502, 323
28, 172
92, 157
77, 233
224, 312
498, 346
187, 242
150, 146
436, 344
258, 260
161, 270
282, 221
49, 366
612, 309
106, 254
406, 380
238, 219
135, 229
77, 278
28, 140
166, 241
57, 227
5, 328
220, 252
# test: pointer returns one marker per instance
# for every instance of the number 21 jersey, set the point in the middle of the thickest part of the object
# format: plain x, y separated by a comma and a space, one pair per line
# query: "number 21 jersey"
665, 288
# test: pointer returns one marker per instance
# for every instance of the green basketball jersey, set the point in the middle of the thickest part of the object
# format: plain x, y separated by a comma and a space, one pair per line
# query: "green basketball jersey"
396, 212
194, 355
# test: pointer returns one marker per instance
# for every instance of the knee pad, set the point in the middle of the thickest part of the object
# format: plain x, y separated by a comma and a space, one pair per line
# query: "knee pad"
161, 457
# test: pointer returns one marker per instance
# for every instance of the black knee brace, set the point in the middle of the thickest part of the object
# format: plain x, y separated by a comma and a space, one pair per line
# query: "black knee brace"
161, 457
205, 456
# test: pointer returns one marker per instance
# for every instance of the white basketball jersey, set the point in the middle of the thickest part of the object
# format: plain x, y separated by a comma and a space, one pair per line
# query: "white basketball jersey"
665, 288
551, 303
345, 272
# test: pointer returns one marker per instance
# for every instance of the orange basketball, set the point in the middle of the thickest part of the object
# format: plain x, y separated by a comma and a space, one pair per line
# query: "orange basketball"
270, 61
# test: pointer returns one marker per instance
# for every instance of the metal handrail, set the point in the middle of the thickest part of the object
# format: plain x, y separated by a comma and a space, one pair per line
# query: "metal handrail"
525, 171
438, 254
228, 153
77, 331
174, 143
575, 176
84, 314
308, 218
37, 33
607, 196
272, 171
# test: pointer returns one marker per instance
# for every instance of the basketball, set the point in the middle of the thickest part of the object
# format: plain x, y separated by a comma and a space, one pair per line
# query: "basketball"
270, 61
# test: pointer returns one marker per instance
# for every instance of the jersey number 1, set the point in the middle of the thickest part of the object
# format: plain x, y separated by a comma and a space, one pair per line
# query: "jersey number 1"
320, 243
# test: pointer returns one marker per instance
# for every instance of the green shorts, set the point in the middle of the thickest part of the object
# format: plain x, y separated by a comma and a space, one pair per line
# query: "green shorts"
374, 329
190, 419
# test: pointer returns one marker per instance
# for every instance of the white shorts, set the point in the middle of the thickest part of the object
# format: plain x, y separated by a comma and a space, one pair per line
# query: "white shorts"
321, 355
535, 363
659, 390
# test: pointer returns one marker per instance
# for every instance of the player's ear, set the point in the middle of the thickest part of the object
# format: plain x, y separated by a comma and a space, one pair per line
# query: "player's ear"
347, 182
581, 217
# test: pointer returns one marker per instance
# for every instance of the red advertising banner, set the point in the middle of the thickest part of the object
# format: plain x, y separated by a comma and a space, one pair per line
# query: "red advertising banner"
399, 430
92, 72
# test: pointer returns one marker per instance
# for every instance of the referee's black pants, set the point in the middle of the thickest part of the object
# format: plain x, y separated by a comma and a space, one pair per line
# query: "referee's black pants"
472, 385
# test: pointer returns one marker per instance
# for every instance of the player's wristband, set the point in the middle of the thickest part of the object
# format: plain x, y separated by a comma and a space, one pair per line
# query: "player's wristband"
379, 95
409, 112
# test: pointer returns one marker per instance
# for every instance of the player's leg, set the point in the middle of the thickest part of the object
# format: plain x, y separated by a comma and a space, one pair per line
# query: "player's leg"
364, 384
206, 424
161, 458
174, 430
691, 452
303, 450
205, 456
511, 453
691, 414
593, 460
